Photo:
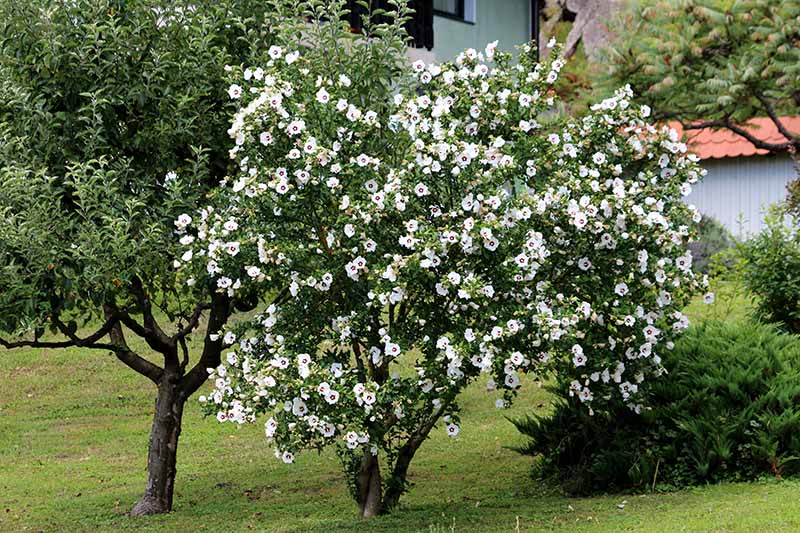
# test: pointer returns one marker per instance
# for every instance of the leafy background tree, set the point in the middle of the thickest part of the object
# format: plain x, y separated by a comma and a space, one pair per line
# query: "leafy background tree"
711, 63
113, 119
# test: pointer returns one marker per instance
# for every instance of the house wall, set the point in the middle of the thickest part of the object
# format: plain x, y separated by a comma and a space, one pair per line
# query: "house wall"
742, 186
507, 21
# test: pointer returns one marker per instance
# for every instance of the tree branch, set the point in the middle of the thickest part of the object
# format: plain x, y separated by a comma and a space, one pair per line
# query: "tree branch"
194, 320
755, 141
129, 357
110, 327
73, 340
396, 485
212, 346
52, 344
702, 125
768, 107
185, 350
359, 359
727, 124
152, 332
281, 296
133, 325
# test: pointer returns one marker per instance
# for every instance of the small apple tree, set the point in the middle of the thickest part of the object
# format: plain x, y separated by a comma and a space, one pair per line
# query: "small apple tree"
112, 123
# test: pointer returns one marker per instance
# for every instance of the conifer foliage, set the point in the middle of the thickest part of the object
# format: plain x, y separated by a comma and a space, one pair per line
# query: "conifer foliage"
728, 411
715, 64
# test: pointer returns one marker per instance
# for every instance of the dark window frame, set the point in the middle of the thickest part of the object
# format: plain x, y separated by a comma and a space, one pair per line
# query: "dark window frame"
459, 15
419, 27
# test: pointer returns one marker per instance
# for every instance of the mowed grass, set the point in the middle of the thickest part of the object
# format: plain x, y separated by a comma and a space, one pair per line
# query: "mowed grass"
73, 437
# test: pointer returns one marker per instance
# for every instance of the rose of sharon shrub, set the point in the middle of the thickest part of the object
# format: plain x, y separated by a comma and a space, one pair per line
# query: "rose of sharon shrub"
420, 239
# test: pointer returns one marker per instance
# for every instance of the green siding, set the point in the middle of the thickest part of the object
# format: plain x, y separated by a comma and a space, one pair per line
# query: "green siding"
508, 21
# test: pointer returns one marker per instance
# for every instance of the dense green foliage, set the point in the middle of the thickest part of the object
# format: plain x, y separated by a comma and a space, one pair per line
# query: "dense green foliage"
99, 102
729, 411
711, 62
772, 270
712, 239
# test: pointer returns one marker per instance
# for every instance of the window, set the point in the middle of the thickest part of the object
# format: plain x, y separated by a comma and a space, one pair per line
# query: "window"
419, 27
455, 9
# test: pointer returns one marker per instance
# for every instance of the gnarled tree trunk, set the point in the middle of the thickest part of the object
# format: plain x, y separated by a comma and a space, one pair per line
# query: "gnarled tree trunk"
162, 454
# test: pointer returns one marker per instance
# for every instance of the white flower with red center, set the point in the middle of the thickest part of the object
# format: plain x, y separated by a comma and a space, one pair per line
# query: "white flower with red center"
322, 96
621, 289
282, 187
684, 262
331, 397
586, 395
235, 91
296, 127
310, 145
183, 221
512, 381
232, 248
391, 349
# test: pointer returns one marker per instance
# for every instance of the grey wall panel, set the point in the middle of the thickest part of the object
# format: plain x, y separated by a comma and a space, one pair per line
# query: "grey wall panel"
742, 187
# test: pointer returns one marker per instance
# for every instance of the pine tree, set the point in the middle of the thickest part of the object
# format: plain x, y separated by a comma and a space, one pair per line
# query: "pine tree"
713, 63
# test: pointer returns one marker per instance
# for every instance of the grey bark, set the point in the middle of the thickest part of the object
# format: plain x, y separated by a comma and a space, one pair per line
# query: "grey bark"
369, 486
163, 450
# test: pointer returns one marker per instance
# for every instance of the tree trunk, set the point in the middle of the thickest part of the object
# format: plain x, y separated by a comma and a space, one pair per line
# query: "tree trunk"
163, 450
369, 485
397, 484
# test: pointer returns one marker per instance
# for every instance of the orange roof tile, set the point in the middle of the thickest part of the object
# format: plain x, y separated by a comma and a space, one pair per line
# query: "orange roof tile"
710, 143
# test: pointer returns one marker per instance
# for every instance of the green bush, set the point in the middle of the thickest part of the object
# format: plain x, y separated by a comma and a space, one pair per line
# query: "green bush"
729, 409
772, 270
712, 239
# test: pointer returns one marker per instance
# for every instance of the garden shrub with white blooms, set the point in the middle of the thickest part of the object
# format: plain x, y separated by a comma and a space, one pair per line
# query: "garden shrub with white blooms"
420, 234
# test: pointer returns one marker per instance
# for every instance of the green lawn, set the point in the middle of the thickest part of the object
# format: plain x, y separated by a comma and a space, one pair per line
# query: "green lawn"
73, 435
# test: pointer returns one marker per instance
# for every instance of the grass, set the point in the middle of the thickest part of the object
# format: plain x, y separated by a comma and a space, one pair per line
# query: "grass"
73, 436
731, 304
